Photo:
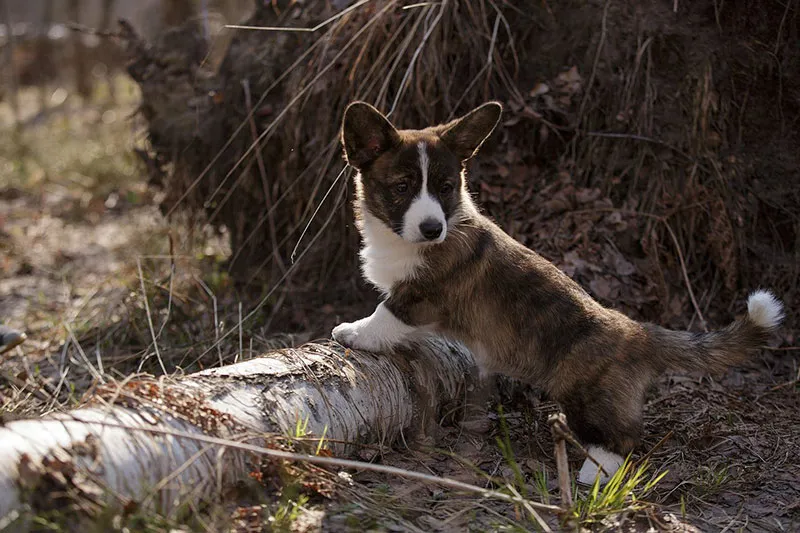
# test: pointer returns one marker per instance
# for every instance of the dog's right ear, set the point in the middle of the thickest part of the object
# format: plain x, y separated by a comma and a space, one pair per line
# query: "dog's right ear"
366, 134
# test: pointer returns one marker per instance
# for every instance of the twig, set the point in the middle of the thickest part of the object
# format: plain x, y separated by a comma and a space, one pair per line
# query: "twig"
562, 462
169, 291
239, 128
277, 284
603, 33
262, 169
636, 137
658, 445
685, 274
241, 333
22, 385
780, 27
566, 433
336, 462
287, 189
149, 317
92, 370
784, 385
210, 293
314, 215
735, 518
412, 63
319, 26
530, 509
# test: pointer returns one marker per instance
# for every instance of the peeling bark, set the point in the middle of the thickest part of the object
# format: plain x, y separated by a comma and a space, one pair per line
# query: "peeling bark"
353, 397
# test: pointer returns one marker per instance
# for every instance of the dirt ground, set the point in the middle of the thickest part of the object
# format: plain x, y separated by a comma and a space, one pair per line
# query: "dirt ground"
80, 248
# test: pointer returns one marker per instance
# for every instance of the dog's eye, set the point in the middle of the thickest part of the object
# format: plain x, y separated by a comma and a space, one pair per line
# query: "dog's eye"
401, 188
447, 188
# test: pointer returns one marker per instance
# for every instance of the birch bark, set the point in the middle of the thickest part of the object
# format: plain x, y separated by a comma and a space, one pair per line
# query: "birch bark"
120, 439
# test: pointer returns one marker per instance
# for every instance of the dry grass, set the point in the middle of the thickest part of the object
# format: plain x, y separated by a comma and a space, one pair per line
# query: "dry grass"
275, 212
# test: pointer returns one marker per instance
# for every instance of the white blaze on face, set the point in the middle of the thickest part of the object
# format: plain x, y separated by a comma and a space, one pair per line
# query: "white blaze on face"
424, 207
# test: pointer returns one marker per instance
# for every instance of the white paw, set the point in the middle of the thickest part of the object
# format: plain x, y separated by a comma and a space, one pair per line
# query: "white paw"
589, 471
356, 335
381, 331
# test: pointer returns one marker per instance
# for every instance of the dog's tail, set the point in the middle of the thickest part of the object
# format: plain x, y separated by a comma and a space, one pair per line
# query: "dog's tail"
717, 350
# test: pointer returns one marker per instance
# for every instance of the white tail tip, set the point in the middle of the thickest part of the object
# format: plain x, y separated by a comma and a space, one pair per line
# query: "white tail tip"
764, 309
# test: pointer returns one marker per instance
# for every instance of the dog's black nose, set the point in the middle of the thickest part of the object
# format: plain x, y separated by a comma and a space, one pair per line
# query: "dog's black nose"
430, 228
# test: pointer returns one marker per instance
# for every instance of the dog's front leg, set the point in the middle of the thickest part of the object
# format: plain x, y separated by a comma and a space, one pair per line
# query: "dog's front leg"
381, 331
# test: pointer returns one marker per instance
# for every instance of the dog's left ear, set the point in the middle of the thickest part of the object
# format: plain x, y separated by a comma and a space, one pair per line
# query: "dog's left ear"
466, 134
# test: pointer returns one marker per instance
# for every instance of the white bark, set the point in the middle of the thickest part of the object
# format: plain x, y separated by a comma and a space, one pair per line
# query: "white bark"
354, 397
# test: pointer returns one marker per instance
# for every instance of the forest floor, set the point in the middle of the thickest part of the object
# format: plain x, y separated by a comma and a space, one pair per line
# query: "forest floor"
92, 272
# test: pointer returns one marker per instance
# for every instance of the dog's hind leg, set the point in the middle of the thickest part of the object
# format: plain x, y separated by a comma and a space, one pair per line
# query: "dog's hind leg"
608, 421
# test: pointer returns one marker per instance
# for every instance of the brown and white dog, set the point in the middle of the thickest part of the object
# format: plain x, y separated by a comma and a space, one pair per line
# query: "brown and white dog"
444, 268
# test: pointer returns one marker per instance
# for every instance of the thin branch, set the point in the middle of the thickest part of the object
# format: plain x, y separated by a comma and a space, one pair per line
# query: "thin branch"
340, 463
302, 30
150, 318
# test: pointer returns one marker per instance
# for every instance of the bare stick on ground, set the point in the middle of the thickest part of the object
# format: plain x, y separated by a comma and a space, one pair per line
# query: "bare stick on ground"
562, 462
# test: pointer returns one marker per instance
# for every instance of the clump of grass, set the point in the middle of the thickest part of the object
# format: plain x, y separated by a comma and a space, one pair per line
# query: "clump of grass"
710, 479
285, 513
624, 492
301, 434
539, 479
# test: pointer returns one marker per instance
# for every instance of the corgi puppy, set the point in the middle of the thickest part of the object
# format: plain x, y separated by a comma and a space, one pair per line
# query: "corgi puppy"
445, 268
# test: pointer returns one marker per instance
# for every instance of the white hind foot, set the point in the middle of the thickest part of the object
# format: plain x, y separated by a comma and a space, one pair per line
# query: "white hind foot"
589, 471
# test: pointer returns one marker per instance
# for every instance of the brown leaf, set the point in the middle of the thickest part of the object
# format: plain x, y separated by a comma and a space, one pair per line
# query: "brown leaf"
29, 473
569, 82
622, 266
601, 287
585, 196
539, 89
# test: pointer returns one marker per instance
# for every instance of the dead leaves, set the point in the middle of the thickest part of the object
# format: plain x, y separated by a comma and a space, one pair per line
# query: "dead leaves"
549, 103
579, 229
68, 481
152, 398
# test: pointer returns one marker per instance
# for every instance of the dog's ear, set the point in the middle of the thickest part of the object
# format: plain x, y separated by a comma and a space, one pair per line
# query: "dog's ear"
366, 134
466, 134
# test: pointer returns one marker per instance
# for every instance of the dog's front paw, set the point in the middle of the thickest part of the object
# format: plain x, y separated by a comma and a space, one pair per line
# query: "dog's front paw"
376, 333
345, 334
358, 336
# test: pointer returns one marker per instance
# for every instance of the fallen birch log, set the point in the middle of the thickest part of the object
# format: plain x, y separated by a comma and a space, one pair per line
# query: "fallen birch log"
130, 439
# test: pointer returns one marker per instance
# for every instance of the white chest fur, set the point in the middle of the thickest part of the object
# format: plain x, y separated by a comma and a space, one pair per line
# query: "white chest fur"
386, 258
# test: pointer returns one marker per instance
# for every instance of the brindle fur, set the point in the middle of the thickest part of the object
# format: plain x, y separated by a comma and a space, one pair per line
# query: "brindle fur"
519, 314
